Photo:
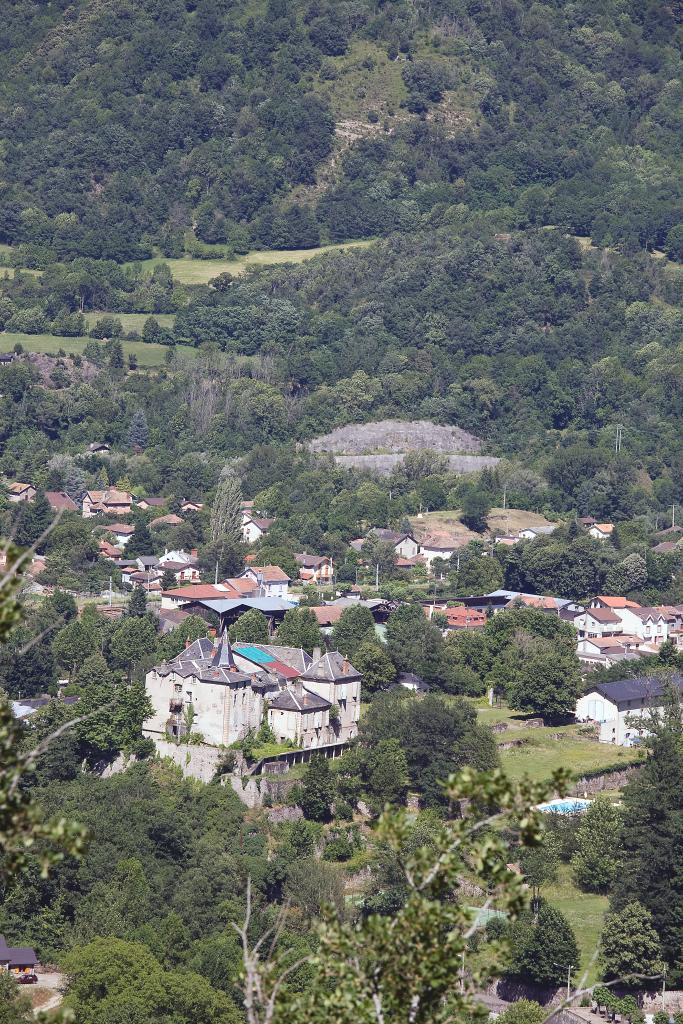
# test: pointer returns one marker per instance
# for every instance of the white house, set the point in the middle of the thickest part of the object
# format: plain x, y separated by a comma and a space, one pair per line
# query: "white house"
404, 544
121, 532
621, 709
271, 580
603, 652
108, 502
253, 528
532, 532
438, 545
601, 531
315, 568
598, 622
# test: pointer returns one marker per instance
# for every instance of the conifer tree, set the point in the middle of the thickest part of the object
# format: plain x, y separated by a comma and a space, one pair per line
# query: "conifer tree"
138, 432
137, 606
317, 790
226, 514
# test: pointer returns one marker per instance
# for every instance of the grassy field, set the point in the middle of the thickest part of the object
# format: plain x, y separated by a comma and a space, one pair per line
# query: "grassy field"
147, 355
500, 521
192, 271
541, 752
585, 912
131, 321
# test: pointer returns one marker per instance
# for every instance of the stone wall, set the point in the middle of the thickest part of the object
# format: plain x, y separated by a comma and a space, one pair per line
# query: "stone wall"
197, 761
608, 780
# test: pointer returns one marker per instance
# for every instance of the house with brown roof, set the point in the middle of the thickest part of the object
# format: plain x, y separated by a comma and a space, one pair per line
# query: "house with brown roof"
271, 580
146, 503
438, 544
192, 506
98, 448
170, 520
61, 502
315, 568
597, 622
110, 502
19, 491
253, 527
121, 532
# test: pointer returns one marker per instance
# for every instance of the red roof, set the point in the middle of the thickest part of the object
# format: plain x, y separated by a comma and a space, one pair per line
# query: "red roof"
328, 614
617, 602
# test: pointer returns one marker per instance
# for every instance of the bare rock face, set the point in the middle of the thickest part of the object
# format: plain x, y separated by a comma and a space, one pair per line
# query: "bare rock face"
396, 437
379, 447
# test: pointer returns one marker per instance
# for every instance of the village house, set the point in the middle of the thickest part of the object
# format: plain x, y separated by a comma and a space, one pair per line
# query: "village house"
438, 545
147, 503
315, 568
169, 520
98, 448
60, 501
621, 709
597, 622
111, 502
404, 544
603, 652
192, 506
650, 624
109, 551
19, 491
270, 580
21, 961
502, 600
254, 528
181, 564
601, 531
121, 532
224, 691
532, 532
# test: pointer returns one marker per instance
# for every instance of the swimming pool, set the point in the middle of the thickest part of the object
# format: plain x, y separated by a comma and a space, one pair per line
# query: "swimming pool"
569, 805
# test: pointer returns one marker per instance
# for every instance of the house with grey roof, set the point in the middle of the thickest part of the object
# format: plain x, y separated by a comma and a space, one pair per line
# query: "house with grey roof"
622, 709
17, 960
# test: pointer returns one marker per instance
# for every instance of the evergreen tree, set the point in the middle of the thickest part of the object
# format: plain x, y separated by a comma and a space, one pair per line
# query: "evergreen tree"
598, 842
544, 949
651, 855
114, 350
33, 518
137, 606
299, 628
251, 627
415, 644
138, 432
141, 544
629, 943
226, 513
356, 626
317, 790
168, 580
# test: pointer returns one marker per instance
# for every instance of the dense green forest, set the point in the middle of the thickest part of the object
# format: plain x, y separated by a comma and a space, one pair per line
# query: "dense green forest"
132, 123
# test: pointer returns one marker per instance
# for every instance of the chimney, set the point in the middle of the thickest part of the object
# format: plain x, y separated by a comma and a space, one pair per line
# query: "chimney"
194, 552
317, 654
187, 643
345, 666
298, 688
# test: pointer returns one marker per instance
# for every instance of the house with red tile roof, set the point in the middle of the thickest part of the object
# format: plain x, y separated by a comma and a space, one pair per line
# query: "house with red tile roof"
111, 502
61, 502
271, 580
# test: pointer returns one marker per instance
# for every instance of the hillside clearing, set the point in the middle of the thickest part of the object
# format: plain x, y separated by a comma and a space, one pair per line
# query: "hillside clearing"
499, 521
148, 355
131, 321
188, 270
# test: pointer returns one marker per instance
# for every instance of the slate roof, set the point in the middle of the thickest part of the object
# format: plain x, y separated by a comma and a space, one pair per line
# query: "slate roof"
331, 667
17, 956
634, 689
208, 661
288, 700
601, 614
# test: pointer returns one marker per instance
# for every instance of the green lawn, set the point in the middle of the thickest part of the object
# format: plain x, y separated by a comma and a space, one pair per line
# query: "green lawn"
585, 913
192, 271
131, 321
147, 354
541, 752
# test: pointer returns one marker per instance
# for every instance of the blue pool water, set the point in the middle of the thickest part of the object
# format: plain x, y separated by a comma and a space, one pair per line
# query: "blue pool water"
570, 805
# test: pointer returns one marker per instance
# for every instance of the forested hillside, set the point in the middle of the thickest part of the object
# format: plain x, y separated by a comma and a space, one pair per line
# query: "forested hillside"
133, 124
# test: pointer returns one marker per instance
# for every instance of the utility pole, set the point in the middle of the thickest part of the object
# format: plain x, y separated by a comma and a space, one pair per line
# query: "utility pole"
663, 988
504, 497
673, 516
215, 578
110, 592
377, 576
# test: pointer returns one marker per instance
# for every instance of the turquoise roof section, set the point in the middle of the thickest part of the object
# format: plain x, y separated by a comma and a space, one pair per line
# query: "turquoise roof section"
255, 654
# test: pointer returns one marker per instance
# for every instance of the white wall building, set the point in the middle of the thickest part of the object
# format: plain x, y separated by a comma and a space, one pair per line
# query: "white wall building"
622, 709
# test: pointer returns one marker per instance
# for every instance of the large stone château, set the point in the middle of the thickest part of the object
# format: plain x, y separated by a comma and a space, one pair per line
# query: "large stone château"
224, 691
